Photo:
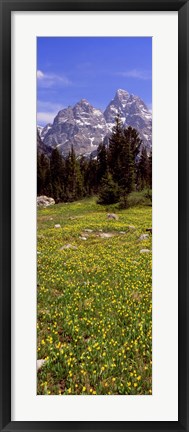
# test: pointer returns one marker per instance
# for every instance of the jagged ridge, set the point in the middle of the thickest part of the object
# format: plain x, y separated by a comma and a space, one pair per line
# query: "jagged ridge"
84, 126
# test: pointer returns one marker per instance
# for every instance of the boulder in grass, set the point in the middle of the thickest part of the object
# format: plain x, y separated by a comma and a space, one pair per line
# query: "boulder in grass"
68, 246
144, 237
44, 201
106, 235
40, 363
57, 226
145, 251
112, 216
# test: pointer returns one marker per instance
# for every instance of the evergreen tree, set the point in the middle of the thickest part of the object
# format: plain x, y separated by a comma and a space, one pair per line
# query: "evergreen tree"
91, 177
108, 191
150, 170
102, 162
57, 167
74, 181
44, 186
143, 169
119, 169
135, 142
83, 164
126, 182
114, 151
39, 175
79, 182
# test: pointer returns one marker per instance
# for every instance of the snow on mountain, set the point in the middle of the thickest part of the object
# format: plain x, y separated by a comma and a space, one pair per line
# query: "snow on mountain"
84, 126
43, 130
133, 112
39, 128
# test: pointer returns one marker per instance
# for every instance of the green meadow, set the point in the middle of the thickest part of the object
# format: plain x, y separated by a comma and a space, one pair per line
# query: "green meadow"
94, 300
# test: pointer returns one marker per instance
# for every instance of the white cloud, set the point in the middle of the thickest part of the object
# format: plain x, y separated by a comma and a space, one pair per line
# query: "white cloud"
40, 74
46, 80
136, 73
45, 117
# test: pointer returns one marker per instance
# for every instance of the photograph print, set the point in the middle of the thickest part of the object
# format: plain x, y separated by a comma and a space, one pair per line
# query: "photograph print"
94, 216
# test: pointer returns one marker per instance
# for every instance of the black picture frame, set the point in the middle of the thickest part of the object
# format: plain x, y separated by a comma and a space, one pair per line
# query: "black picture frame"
6, 7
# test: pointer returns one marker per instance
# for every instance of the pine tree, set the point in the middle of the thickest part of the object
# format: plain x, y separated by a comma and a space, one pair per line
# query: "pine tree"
83, 164
143, 169
135, 142
133, 149
108, 191
57, 167
102, 162
39, 175
79, 182
44, 186
74, 180
91, 177
126, 182
150, 170
114, 151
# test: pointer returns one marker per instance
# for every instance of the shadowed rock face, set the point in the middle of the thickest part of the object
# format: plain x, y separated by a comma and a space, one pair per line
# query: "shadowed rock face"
41, 146
84, 126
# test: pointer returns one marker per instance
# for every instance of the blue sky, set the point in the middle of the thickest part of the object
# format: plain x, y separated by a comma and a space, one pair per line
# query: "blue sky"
93, 68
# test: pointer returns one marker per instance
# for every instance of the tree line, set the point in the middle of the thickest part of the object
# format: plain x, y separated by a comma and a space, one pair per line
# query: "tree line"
120, 167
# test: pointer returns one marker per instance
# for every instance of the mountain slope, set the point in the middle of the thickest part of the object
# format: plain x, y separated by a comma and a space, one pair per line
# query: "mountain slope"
133, 112
84, 126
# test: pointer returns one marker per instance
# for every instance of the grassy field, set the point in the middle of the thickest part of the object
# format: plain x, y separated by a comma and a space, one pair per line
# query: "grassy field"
94, 300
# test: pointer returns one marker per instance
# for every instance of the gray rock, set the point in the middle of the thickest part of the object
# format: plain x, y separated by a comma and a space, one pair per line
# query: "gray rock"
45, 130
88, 230
40, 363
144, 237
112, 216
122, 232
106, 235
83, 238
45, 201
68, 246
131, 227
57, 226
145, 251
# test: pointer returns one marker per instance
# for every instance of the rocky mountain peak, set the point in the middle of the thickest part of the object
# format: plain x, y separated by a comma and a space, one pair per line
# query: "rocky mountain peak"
133, 112
121, 96
83, 106
84, 103
84, 126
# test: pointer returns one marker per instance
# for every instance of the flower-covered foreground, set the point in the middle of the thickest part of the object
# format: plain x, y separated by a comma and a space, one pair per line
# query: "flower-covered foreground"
94, 301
